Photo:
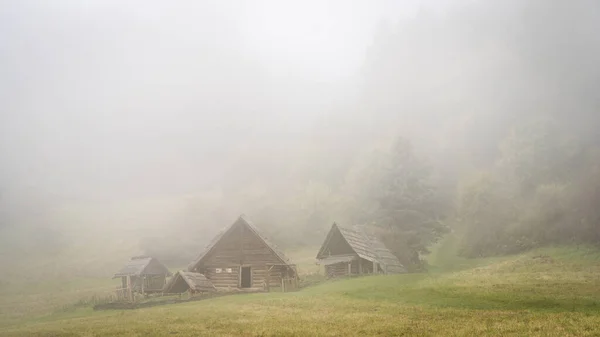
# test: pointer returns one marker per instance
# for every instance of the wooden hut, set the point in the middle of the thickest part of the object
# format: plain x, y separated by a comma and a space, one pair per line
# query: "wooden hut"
241, 258
348, 252
184, 281
144, 275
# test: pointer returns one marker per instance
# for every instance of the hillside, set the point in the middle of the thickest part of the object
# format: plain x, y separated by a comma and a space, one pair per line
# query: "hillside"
550, 292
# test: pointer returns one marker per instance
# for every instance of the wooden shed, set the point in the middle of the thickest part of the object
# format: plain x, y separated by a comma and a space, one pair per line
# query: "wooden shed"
241, 258
143, 274
184, 281
351, 251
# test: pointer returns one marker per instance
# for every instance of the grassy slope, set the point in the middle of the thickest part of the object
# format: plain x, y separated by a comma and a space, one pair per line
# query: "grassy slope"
24, 295
518, 295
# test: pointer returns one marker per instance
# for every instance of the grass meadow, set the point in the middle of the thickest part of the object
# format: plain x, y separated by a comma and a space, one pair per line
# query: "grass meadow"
546, 292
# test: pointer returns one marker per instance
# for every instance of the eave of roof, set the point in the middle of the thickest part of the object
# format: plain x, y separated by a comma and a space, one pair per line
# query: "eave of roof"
337, 259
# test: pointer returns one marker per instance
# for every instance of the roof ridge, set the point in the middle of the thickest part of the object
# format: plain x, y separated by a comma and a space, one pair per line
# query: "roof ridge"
137, 265
141, 257
266, 240
272, 246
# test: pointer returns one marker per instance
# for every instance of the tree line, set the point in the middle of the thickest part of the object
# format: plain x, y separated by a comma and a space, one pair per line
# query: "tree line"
482, 120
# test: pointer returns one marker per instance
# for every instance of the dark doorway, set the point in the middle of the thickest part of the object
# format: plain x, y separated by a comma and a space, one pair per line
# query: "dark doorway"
246, 277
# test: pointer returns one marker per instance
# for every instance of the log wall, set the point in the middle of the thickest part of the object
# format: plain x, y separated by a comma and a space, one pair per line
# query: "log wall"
241, 247
357, 267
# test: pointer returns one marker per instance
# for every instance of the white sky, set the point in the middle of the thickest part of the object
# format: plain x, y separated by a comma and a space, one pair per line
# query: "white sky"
96, 90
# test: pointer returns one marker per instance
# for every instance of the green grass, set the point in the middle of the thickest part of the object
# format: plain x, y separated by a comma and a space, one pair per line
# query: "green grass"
305, 259
443, 257
546, 292
20, 301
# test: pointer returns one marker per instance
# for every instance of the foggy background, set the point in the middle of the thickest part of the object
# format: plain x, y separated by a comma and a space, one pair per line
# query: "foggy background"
144, 127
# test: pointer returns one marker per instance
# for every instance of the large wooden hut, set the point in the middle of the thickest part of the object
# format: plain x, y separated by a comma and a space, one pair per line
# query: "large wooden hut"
351, 251
241, 258
143, 274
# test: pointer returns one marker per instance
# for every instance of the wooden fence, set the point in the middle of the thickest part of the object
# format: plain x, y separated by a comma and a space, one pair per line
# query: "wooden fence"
124, 294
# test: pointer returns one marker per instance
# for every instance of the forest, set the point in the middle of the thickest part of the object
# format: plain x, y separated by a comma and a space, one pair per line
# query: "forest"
481, 121
484, 122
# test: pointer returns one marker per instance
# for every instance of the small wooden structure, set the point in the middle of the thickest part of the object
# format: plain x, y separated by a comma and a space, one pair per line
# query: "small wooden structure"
142, 274
241, 258
194, 283
347, 252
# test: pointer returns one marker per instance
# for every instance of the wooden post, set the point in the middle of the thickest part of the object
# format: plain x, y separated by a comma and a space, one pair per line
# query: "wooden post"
241, 245
129, 290
360, 271
349, 268
375, 267
282, 285
143, 282
241, 256
296, 276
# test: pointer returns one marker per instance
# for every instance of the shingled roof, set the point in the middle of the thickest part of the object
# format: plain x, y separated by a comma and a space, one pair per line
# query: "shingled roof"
243, 222
365, 246
143, 265
184, 280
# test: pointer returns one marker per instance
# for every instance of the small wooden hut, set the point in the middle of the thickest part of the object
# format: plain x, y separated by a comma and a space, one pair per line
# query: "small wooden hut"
184, 281
142, 274
241, 258
351, 251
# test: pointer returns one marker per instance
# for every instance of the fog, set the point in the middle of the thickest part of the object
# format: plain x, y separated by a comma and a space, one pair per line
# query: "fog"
102, 95
125, 126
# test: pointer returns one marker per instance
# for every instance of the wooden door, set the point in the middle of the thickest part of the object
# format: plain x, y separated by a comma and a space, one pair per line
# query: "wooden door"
246, 277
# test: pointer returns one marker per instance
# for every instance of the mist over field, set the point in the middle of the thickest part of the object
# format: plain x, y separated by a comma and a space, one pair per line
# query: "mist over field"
429, 167
143, 127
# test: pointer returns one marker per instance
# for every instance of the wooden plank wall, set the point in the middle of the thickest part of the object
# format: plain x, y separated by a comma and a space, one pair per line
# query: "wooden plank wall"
155, 282
337, 245
136, 283
336, 269
223, 279
366, 267
241, 247
341, 269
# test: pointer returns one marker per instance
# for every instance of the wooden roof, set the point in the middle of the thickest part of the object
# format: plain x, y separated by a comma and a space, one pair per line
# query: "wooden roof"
241, 221
184, 280
365, 246
143, 265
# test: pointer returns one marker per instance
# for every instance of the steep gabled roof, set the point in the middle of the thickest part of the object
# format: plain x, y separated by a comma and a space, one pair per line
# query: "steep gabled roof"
184, 280
143, 265
385, 257
241, 221
365, 246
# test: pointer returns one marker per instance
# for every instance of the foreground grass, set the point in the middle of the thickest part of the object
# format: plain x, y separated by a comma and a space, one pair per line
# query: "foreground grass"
331, 311
21, 301
548, 292
23, 297
314, 316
